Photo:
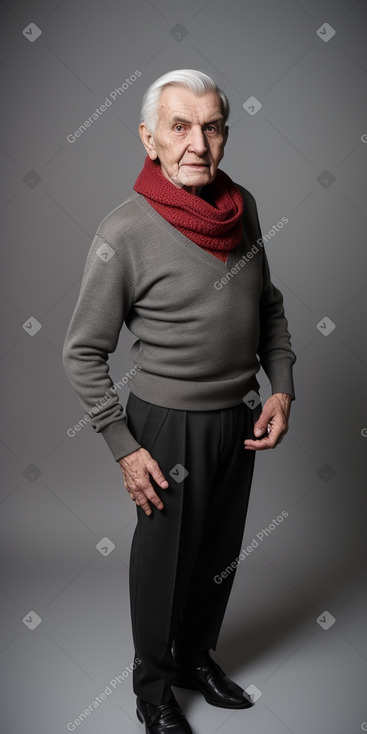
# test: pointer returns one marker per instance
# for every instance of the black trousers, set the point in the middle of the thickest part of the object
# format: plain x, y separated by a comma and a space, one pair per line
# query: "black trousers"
178, 553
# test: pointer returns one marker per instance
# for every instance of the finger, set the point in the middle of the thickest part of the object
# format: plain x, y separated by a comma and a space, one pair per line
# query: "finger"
157, 474
270, 441
153, 497
266, 442
147, 493
259, 444
141, 501
262, 422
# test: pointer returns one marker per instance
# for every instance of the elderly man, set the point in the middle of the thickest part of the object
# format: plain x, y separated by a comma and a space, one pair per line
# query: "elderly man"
181, 262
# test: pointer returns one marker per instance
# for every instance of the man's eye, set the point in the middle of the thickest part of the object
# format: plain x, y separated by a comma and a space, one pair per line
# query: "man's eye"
211, 128
179, 128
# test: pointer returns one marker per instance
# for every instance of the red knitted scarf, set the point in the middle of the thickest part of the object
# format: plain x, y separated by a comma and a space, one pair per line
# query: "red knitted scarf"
217, 228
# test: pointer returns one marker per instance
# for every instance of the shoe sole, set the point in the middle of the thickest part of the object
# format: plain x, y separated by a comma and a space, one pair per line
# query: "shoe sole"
179, 683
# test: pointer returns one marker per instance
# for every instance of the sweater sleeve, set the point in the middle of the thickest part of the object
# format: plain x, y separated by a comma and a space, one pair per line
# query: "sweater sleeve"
274, 349
274, 346
105, 298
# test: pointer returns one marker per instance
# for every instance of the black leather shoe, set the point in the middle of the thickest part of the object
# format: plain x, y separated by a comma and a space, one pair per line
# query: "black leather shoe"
217, 688
168, 718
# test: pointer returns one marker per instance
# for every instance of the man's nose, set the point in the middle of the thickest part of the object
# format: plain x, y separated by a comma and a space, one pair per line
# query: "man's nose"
198, 142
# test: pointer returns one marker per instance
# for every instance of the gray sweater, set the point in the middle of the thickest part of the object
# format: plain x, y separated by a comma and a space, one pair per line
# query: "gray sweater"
202, 327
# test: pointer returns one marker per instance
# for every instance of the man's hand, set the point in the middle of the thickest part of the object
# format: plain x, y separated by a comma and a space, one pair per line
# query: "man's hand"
273, 419
136, 468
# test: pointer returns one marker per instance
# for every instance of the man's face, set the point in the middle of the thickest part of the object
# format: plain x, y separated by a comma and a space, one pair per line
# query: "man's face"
189, 137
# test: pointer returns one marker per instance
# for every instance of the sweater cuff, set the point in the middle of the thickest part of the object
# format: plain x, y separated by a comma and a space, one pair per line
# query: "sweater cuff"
281, 377
119, 439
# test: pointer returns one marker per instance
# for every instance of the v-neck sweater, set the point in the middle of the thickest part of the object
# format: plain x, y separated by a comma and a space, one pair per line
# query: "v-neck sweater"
203, 327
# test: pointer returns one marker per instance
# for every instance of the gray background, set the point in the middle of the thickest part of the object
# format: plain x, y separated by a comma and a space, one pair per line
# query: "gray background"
60, 496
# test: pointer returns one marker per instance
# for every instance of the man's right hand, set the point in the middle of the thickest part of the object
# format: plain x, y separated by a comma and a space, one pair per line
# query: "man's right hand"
136, 468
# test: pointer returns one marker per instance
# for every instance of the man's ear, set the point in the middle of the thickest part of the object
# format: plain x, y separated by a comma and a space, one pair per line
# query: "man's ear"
226, 131
147, 139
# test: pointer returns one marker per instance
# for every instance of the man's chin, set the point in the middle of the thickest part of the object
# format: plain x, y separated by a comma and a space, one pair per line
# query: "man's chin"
196, 179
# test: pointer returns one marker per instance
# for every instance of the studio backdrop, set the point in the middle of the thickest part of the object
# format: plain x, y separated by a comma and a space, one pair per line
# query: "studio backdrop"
73, 74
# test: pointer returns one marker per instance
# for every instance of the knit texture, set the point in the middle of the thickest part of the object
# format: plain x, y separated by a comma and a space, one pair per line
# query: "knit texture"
216, 228
202, 328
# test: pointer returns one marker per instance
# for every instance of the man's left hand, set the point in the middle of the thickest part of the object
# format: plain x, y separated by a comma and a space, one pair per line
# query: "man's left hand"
273, 421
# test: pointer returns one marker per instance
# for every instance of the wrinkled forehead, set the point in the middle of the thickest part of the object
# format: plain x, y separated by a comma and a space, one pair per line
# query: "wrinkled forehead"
176, 102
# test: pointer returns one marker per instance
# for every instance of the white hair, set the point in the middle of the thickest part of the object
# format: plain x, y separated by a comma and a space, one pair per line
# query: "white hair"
197, 81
